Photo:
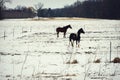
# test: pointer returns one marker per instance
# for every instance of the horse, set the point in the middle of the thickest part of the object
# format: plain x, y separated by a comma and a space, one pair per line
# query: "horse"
76, 37
63, 29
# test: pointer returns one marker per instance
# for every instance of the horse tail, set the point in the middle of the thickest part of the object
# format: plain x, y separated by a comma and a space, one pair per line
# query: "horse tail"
56, 29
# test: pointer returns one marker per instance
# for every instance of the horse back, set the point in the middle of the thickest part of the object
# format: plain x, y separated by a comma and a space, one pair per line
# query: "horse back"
73, 36
59, 29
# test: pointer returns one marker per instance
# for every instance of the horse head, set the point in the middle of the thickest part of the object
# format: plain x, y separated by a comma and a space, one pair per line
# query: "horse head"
69, 26
81, 31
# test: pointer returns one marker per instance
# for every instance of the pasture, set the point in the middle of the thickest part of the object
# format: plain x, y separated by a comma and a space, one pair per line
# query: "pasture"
31, 50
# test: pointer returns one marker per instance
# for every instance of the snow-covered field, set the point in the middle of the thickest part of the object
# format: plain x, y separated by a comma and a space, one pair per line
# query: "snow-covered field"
30, 50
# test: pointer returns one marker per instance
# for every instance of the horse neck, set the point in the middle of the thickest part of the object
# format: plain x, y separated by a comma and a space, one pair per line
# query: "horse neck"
66, 27
78, 34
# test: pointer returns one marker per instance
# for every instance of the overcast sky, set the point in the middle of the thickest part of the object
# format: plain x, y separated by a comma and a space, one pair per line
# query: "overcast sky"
47, 3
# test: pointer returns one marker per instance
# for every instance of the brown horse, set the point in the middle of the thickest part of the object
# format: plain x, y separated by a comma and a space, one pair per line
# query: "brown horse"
63, 29
76, 37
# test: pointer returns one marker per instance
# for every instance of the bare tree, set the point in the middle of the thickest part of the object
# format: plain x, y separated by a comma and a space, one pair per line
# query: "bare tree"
2, 6
39, 6
2, 2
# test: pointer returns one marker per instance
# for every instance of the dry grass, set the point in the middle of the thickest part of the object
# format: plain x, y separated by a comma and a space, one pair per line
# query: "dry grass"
68, 62
70, 75
59, 18
24, 31
7, 76
97, 61
73, 62
116, 60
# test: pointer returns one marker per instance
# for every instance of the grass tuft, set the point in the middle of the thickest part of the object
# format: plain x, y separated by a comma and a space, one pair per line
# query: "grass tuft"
116, 60
97, 61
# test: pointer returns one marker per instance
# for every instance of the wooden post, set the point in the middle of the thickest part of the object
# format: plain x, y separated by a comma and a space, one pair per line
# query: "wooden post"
4, 35
118, 50
13, 32
110, 51
0, 58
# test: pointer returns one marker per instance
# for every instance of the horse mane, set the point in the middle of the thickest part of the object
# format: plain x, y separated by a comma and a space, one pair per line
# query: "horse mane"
66, 26
78, 33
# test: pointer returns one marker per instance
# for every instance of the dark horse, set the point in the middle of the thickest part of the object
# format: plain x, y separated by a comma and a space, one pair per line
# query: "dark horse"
75, 37
62, 29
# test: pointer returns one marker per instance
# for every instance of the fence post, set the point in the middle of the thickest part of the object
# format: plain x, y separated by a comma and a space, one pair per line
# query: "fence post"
4, 35
110, 51
118, 50
13, 32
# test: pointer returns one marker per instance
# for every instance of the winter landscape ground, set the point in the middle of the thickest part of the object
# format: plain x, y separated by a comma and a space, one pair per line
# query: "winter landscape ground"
30, 50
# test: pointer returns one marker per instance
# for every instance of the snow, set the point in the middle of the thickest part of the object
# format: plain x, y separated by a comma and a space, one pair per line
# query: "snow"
31, 50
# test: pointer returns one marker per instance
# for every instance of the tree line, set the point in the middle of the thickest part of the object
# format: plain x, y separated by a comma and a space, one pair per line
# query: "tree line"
106, 9
17, 12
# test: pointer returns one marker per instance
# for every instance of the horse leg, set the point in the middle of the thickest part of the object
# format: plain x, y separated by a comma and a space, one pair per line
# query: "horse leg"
76, 43
57, 34
69, 43
72, 43
64, 34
